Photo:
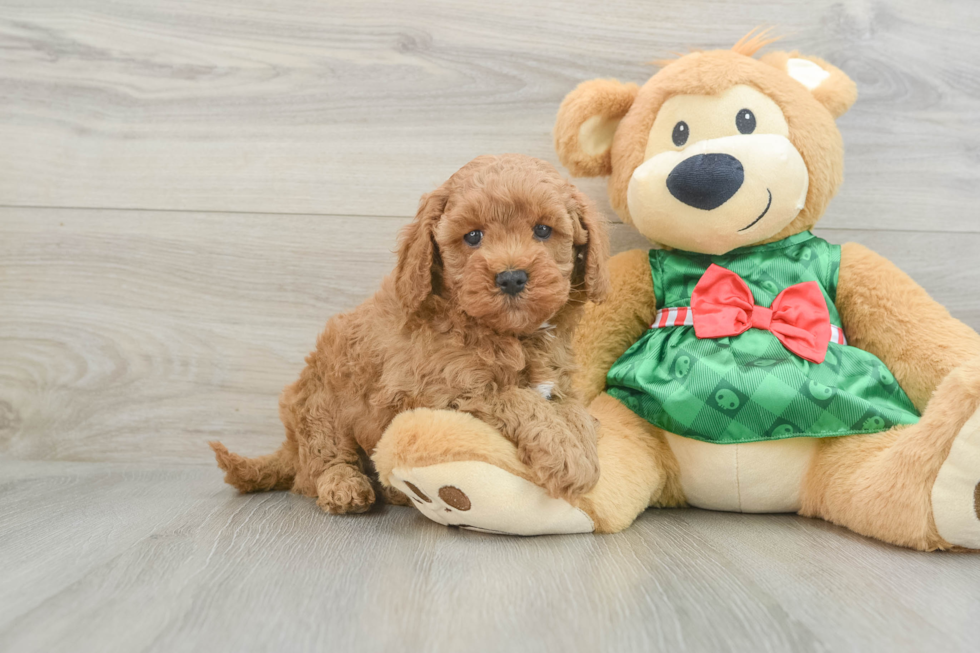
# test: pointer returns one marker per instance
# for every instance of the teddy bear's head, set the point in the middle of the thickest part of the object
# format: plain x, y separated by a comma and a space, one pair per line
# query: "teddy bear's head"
716, 151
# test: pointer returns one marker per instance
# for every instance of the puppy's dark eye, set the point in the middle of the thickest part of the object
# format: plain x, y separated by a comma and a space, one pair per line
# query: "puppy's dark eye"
745, 121
542, 231
473, 238
681, 132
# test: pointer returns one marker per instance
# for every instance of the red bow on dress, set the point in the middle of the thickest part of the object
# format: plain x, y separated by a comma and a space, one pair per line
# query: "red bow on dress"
723, 306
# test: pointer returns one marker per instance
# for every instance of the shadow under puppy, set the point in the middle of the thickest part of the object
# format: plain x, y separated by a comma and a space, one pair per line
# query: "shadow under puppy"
478, 316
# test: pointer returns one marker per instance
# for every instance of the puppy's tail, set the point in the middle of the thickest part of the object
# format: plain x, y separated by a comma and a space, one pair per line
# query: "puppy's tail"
274, 471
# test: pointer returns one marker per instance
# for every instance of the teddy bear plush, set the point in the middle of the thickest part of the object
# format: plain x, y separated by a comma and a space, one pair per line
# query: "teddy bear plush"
745, 364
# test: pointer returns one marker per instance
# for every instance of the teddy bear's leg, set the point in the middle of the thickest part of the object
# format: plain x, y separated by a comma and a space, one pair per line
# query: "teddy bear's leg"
915, 486
636, 468
459, 471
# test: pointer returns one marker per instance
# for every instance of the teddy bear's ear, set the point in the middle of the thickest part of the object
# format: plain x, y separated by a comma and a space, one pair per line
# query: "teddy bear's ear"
586, 123
828, 84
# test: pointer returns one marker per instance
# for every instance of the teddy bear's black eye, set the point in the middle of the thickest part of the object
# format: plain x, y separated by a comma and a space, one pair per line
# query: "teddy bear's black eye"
473, 238
745, 121
542, 231
681, 132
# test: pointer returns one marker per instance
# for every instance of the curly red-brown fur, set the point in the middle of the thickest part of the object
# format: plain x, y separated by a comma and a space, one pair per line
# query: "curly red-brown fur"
441, 334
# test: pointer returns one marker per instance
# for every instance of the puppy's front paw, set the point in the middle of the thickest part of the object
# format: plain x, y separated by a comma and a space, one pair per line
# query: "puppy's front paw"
343, 489
564, 465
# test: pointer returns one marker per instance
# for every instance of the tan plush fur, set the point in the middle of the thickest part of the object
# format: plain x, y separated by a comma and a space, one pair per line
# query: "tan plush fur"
836, 93
608, 329
423, 437
812, 129
883, 308
607, 98
639, 469
937, 363
441, 334
878, 484
646, 471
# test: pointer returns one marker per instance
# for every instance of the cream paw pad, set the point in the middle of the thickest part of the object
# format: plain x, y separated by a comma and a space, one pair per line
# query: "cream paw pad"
956, 492
482, 497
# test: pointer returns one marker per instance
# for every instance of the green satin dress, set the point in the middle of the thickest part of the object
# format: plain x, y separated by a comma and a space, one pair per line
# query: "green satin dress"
749, 387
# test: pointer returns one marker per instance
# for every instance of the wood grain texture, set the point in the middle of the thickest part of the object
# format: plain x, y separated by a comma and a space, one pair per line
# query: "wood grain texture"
138, 336
133, 335
246, 166
138, 558
306, 106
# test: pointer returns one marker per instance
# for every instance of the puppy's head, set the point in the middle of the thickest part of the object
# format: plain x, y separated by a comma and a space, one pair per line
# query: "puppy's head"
508, 241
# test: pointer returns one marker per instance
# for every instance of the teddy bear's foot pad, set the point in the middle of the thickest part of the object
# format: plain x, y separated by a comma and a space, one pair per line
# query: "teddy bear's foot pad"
482, 497
956, 492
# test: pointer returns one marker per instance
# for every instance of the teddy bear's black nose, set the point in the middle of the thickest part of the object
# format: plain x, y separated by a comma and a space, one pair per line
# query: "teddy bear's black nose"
512, 282
706, 181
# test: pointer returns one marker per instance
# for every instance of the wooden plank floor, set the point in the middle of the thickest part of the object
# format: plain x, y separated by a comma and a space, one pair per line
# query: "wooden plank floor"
189, 189
131, 557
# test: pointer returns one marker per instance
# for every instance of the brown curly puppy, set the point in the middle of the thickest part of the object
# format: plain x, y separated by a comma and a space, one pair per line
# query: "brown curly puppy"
477, 316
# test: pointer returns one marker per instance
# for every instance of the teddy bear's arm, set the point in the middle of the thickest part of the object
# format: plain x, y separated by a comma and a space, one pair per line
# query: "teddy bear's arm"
888, 314
556, 439
608, 329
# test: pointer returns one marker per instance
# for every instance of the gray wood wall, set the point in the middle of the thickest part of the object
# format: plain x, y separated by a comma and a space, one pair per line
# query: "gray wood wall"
189, 189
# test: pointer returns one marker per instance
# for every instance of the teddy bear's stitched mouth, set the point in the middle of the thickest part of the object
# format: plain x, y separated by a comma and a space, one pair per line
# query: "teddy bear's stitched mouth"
763, 213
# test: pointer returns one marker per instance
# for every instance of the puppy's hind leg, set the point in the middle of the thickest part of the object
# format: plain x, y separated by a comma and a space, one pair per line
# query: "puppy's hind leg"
341, 485
343, 489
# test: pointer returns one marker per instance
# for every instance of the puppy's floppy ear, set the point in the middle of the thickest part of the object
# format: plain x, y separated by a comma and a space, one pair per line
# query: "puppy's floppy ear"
591, 247
587, 122
828, 84
418, 258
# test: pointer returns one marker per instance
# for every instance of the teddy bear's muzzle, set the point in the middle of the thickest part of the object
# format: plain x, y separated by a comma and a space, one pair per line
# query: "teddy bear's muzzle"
719, 194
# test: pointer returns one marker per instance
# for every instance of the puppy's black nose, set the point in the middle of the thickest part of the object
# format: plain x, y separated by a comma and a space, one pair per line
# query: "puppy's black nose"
512, 282
706, 181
